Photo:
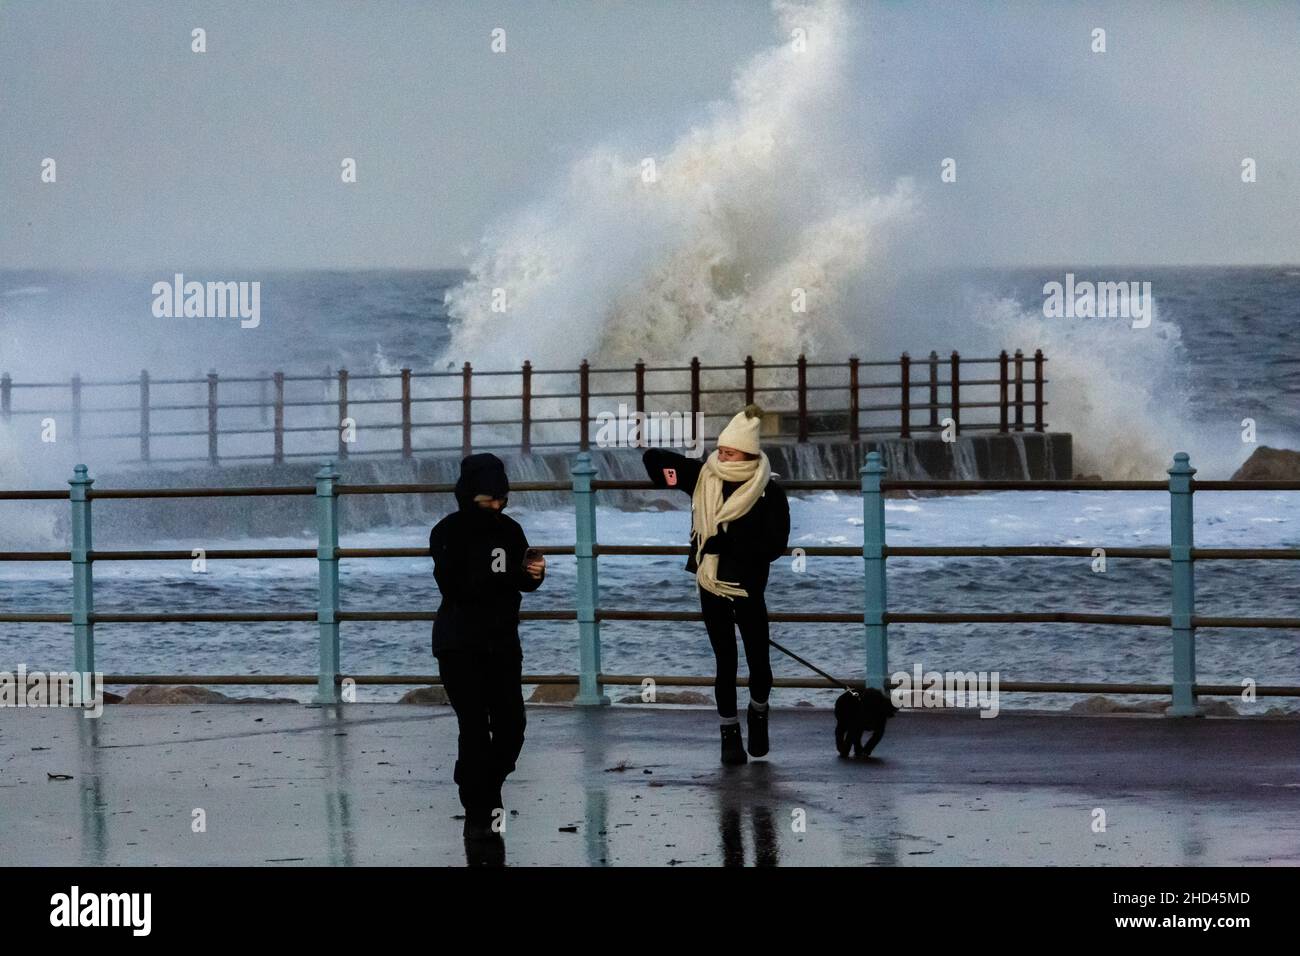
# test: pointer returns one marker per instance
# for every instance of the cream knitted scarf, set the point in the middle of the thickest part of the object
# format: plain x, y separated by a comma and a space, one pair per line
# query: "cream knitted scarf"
709, 512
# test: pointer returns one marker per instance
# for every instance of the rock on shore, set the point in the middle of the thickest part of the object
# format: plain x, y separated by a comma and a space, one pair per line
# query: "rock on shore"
670, 697
436, 694
191, 694
1270, 464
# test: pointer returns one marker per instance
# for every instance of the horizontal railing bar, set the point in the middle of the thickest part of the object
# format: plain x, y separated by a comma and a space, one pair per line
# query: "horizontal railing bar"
1244, 554
1036, 617
245, 492
552, 615
1046, 485
424, 552
1269, 622
674, 680
190, 434
422, 489
215, 554
1198, 485
382, 552
108, 410
211, 679
679, 549
788, 617
179, 381
1025, 551
206, 617
1029, 617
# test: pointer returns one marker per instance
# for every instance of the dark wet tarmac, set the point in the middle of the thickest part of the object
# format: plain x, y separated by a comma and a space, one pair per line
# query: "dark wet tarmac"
283, 785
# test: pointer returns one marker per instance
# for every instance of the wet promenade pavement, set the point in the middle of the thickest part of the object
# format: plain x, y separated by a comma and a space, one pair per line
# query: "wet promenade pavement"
286, 785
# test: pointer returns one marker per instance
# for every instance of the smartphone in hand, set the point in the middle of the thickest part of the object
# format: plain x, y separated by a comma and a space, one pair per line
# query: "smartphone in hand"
534, 556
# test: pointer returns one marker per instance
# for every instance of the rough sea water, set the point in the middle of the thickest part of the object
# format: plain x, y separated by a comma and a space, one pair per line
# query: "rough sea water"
1221, 317
754, 198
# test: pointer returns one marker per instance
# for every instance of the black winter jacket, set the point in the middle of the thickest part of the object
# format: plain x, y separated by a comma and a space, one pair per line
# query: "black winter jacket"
750, 543
480, 606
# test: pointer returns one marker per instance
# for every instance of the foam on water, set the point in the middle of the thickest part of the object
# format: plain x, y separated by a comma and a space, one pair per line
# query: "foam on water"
1028, 652
759, 199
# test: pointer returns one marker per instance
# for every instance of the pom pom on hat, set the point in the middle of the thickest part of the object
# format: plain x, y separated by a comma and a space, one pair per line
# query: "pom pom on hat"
742, 431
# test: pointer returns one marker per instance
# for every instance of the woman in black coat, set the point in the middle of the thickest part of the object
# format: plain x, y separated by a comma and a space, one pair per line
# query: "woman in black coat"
740, 524
482, 564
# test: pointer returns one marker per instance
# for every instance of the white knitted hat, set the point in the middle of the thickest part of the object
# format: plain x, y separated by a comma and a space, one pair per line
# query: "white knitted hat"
742, 431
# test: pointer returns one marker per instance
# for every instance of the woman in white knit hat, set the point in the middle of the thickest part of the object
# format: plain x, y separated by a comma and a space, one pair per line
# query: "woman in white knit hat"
740, 524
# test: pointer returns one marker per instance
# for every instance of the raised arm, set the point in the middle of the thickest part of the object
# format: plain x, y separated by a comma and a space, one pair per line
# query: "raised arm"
667, 469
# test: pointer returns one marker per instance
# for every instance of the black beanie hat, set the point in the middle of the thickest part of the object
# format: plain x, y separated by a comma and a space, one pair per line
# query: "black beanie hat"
481, 474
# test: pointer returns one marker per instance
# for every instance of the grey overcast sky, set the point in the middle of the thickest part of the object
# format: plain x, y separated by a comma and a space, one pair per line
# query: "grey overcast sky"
230, 158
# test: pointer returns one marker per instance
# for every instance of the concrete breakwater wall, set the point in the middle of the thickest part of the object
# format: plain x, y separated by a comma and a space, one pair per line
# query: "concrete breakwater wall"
1026, 455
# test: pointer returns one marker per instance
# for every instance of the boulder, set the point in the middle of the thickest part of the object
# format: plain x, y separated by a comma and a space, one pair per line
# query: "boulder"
1270, 464
436, 694
670, 697
191, 694
553, 694
1099, 704
164, 694
1213, 707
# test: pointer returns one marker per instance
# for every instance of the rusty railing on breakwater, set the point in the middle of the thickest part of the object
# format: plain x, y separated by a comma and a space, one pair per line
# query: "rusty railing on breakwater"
826, 401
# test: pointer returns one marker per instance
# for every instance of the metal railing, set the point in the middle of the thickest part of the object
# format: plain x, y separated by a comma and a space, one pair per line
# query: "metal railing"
244, 406
588, 614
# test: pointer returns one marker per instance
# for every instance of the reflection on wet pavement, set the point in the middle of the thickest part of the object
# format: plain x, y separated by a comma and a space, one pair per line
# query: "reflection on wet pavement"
371, 784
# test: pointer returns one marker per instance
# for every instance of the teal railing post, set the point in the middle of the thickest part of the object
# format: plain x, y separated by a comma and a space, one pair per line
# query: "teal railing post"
1184, 588
83, 594
873, 560
327, 559
589, 690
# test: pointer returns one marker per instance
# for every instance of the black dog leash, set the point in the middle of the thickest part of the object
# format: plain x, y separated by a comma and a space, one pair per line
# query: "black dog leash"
814, 667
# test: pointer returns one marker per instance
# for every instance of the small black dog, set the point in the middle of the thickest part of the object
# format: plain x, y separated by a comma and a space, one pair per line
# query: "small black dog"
855, 713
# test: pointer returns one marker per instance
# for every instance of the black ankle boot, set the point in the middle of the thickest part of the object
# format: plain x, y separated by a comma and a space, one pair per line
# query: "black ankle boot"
757, 720
733, 748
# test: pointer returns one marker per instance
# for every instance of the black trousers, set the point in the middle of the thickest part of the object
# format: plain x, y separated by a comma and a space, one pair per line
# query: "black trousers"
484, 690
721, 617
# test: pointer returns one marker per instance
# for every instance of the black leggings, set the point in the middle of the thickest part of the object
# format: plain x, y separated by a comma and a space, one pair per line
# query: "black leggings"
485, 692
722, 616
